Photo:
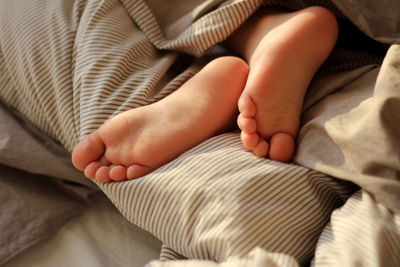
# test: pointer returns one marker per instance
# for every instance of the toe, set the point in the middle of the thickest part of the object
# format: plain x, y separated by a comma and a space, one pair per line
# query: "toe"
246, 105
282, 147
249, 140
136, 171
103, 174
261, 149
90, 149
118, 173
247, 124
91, 169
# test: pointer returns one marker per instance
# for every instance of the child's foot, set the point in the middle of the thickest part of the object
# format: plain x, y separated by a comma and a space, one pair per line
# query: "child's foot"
284, 51
140, 140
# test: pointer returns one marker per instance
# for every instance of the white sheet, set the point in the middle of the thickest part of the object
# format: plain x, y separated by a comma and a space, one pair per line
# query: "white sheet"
99, 237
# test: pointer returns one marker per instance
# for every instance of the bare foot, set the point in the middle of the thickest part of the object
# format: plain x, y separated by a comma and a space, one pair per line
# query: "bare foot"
140, 140
284, 51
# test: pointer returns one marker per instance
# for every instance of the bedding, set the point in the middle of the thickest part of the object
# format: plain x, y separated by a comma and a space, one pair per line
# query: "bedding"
33, 208
338, 203
92, 239
40, 191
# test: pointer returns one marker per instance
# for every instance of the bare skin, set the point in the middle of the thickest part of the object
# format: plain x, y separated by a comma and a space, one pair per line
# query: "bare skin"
140, 140
284, 51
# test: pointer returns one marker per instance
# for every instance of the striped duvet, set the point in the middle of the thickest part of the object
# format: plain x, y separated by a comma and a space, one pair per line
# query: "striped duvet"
67, 66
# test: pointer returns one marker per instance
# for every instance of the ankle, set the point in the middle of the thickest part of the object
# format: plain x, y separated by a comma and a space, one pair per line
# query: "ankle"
317, 21
246, 38
324, 29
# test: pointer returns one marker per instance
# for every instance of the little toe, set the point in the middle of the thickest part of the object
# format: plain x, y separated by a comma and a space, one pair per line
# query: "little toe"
261, 149
136, 171
282, 147
103, 174
249, 141
118, 173
90, 149
247, 124
246, 105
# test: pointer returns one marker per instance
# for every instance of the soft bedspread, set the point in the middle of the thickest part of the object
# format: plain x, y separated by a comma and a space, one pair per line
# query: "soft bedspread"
217, 201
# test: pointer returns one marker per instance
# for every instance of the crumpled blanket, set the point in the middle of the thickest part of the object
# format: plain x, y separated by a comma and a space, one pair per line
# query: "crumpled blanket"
350, 128
39, 189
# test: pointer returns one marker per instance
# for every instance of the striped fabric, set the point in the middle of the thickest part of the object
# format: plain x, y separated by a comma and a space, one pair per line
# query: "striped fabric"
85, 49
204, 208
361, 233
256, 258
67, 66
168, 254
371, 225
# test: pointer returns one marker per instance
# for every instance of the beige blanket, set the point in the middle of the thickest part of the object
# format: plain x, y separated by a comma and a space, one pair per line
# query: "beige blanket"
217, 201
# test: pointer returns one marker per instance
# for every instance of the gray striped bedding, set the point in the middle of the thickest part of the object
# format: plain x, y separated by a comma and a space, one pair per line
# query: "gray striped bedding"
67, 66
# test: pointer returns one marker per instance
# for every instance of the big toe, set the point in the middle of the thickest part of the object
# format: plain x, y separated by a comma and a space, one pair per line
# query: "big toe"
282, 146
90, 149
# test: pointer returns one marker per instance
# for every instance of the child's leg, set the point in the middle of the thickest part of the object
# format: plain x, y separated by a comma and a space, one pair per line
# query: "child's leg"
140, 140
284, 50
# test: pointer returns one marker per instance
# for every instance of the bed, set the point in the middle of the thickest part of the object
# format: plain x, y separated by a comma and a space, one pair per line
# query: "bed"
336, 204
